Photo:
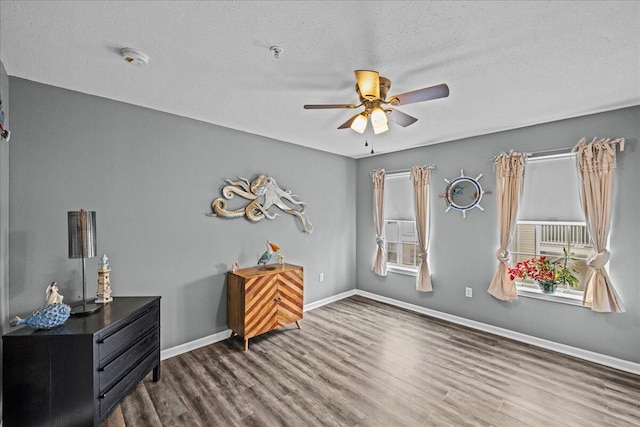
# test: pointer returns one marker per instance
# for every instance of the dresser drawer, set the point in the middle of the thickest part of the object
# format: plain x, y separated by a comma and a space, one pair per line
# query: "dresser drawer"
113, 371
112, 397
120, 340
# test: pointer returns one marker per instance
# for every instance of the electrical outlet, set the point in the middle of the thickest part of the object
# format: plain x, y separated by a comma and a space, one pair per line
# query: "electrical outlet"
468, 292
321, 278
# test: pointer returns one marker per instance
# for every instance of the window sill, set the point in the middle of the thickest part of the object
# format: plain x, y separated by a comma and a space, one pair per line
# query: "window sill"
563, 297
407, 271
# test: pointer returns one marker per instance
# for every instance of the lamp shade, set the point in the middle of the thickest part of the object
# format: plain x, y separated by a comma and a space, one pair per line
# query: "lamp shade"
380, 127
82, 234
379, 120
360, 123
378, 116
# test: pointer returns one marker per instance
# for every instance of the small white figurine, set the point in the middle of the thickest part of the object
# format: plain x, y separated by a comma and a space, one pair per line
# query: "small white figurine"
235, 267
280, 259
104, 283
53, 297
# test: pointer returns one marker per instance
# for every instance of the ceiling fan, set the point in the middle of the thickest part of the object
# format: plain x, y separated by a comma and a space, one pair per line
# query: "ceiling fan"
372, 90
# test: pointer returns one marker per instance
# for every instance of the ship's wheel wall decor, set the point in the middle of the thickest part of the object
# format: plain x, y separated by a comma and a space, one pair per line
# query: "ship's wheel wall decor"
464, 193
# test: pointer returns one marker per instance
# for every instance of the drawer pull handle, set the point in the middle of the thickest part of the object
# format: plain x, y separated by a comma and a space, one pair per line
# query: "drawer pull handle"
277, 299
103, 395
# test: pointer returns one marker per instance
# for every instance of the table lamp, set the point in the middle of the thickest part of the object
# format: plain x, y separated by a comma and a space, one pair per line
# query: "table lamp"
82, 244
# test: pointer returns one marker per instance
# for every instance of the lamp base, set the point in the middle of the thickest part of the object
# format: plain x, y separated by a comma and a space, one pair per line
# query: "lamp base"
84, 309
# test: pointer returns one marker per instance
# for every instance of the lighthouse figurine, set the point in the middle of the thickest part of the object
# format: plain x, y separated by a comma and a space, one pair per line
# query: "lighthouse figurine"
104, 284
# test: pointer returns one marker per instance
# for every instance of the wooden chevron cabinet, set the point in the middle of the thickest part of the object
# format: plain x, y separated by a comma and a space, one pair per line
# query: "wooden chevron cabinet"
260, 299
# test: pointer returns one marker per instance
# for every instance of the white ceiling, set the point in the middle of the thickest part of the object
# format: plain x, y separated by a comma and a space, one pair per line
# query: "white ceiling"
507, 64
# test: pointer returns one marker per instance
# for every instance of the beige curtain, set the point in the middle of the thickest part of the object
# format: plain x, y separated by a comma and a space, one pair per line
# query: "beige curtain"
420, 175
596, 163
509, 179
380, 262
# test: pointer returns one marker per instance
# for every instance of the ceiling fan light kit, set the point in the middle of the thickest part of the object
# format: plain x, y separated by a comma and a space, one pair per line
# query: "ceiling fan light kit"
379, 120
360, 123
372, 90
380, 128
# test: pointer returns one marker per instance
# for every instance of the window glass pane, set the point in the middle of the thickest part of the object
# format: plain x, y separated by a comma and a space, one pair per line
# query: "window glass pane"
408, 231
391, 231
402, 246
409, 254
392, 253
548, 239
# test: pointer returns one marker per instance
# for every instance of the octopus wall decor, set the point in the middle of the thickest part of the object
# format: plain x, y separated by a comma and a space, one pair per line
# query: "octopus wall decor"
262, 194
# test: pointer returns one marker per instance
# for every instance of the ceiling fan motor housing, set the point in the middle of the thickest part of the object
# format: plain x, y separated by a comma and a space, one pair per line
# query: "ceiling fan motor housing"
385, 85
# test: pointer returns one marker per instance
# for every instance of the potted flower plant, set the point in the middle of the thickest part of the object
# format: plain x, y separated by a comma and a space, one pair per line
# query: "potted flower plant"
546, 272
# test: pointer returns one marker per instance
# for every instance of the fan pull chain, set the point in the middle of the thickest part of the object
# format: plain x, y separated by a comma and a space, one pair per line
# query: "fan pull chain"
366, 140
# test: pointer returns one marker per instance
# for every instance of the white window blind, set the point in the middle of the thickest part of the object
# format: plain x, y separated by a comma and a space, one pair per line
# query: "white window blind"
551, 191
398, 197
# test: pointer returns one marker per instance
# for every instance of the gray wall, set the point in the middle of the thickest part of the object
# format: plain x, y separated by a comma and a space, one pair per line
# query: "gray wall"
4, 218
463, 251
151, 178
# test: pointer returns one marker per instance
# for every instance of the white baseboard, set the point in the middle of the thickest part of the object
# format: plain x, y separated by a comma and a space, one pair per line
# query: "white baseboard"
223, 335
195, 344
602, 359
329, 300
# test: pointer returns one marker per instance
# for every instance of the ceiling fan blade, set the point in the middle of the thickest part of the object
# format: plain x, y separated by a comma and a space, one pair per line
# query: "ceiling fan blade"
348, 123
368, 83
426, 94
401, 118
326, 106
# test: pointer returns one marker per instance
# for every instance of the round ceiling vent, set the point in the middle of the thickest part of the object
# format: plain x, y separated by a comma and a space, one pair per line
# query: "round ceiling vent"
133, 56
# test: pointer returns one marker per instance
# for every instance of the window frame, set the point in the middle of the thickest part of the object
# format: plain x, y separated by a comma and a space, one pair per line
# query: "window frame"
397, 267
569, 295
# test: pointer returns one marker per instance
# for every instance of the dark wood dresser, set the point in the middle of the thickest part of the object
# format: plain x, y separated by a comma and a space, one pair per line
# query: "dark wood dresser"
75, 374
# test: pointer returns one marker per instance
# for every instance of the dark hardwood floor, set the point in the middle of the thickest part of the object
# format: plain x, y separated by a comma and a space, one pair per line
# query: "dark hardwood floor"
358, 362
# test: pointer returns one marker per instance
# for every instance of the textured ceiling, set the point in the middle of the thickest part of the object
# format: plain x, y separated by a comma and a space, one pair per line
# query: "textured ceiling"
508, 64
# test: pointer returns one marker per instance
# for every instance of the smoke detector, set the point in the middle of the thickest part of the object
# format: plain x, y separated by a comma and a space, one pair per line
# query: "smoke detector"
133, 56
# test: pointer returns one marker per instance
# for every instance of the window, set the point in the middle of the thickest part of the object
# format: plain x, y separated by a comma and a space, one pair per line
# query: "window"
402, 244
550, 221
550, 239
400, 225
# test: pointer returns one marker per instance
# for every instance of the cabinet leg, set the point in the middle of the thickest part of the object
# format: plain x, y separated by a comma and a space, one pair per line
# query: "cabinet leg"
233, 334
156, 373
246, 344
298, 324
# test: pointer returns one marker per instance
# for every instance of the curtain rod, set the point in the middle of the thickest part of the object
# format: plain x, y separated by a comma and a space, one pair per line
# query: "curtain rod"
534, 153
620, 141
399, 170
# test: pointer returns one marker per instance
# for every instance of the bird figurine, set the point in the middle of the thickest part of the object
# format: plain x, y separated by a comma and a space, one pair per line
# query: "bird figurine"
47, 317
266, 257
